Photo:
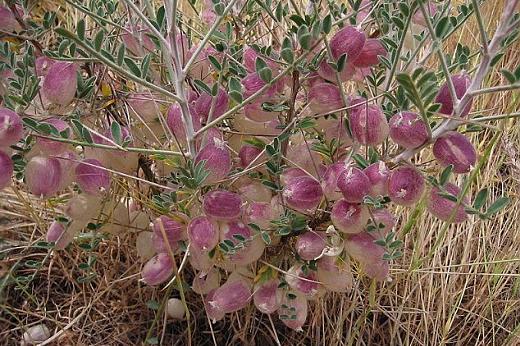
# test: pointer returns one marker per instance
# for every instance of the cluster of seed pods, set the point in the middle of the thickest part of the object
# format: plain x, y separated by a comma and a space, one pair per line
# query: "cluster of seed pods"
222, 236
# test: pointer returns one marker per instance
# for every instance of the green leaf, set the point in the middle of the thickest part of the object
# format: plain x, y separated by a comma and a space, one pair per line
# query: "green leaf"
98, 40
115, 130
445, 175
480, 199
266, 75
326, 25
341, 62
278, 12
443, 26
80, 29
266, 238
133, 67
498, 205
215, 63
202, 86
448, 196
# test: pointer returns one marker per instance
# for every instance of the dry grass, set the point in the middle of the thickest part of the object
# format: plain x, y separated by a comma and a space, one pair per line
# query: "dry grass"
466, 293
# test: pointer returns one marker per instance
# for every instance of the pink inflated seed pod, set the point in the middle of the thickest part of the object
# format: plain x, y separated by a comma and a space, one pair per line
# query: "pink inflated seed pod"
137, 41
326, 72
255, 111
362, 248
173, 231
60, 235
461, 82
348, 40
259, 213
310, 245
443, 208
222, 205
203, 233
254, 191
11, 128
349, 217
304, 283
6, 170
453, 148
384, 222
206, 282
217, 160
289, 174
370, 54
418, 17
378, 174
293, 310
303, 194
176, 122
335, 274
8, 21
252, 83
42, 65
157, 270
203, 105
405, 185
369, 126
43, 176
145, 105
248, 154
232, 296
408, 130
60, 83
49, 146
324, 98
247, 247
354, 185
213, 312
330, 181
267, 296
91, 177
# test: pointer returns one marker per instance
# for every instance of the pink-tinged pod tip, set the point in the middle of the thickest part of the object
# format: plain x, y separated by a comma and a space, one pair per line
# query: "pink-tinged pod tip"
91, 177
11, 128
369, 126
354, 185
217, 160
348, 40
310, 245
248, 154
443, 208
378, 174
453, 148
362, 248
6, 170
408, 130
329, 181
60, 83
43, 176
267, 296
405, 185
42, 65
172, 229
203, 233
324, 97
176, 122
222, 205
461, 82
303, 193
304, 283
157, 270
349, 217
370, 54
232, 296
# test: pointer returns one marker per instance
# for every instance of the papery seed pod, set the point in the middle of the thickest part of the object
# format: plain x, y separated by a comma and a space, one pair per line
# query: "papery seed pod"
259, 213
173, 231
364, 10
176, 123
247, 248
326, 72
461, 82
302, 156
369, 126
303, 194
330, 181
217, 160
204, 283
203, 233
255, 111
203, 105
362, 248
49, 146
36, 334
248, 154
83, 207
335, 274
8, 21
68, 162
254, 191
378, 174
267, 297
310, 245
293, 310
55, 234
370, 54
137, 41
144, 245
418, 17
253, 83
349, 217
290, 173
200, 260
348, 40
384, 220
356, 103
175, 309
453, 148
91, 177
145, 105
271, 128
222, 205
408, 130
354, 184
42, 65
157, 270
232, 296
11, 128
324, 98
443, 208
249, 60
60, 83
43, 176
304, 283
405, 185
201, 67
213, 312
6, 170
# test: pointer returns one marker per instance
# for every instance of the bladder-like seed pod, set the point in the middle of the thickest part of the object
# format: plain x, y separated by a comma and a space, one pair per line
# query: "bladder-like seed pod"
222, 205
453, 148
217, 160
335, 274
461, 82
348, 40
49, 146
408, 130
6, 170
384, 222
362, 248
329, 181
443, 208
43, 176
203, 233
378, 174
247, 248
232, 296
91, 177
303, 194
173, 230
203, 105
11, 128
157, 270
267, 296
405, 185
369, 125
349, 217
293, 310
370, 54
60, 84
354, 185
175, 309
324, 97
310, 245
304, 283
204, 283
